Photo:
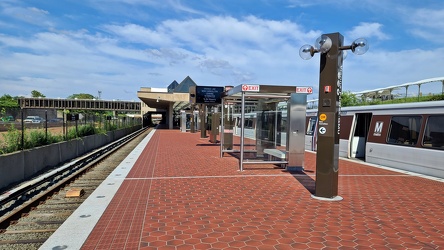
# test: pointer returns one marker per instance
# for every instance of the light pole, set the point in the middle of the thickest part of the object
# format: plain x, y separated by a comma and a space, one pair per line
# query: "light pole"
330, 46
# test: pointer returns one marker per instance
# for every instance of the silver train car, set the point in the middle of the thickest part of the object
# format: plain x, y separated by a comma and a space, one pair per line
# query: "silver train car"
406, 136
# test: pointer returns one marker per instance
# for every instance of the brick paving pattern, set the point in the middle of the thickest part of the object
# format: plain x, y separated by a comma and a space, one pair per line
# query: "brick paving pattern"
181, 195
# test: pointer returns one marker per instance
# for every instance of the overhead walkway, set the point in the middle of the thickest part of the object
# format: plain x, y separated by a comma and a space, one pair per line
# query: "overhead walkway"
83, 104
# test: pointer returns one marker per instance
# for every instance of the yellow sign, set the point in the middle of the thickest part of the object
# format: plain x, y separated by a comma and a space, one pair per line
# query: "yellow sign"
322, 117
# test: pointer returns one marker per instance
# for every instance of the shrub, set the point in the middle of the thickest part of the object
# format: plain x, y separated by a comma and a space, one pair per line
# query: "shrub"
12, 140
37, 138
110, 127
83, 130
436, 98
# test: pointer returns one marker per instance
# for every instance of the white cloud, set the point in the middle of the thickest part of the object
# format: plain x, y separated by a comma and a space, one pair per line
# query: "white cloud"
431, 18
169, 56
178, 6
367, 30
379, 68
427, 24
138, 34
216, 66
215, 50
30, 15
38, 11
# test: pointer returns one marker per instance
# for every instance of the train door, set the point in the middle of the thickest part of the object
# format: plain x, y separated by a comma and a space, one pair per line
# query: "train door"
358, 135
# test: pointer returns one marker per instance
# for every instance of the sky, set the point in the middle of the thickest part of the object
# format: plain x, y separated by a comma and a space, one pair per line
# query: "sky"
115, 47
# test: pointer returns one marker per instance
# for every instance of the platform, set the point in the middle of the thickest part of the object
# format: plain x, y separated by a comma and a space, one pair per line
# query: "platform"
175, 192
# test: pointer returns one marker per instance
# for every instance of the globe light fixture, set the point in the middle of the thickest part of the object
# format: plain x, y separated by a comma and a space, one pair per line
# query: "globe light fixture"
324, 43
306, 52
360, 46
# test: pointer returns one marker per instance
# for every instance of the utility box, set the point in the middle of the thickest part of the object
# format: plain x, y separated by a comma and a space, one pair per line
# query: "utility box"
215, 123
228, 128
297, 106
183, 121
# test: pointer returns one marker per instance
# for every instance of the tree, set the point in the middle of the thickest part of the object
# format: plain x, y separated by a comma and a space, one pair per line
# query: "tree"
7, 101
36, 93
9, 106
81, 96
349, 99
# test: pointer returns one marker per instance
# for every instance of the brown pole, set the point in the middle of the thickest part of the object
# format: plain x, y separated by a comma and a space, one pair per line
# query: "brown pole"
330, 88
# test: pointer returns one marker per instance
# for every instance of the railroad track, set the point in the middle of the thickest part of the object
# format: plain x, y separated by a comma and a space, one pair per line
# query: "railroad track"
29, 214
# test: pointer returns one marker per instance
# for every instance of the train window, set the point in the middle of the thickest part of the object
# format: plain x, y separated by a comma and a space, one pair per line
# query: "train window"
404, 130
434, 132
311, 125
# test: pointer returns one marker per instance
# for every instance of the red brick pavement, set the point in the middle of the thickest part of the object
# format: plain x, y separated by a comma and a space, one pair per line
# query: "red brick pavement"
181, 195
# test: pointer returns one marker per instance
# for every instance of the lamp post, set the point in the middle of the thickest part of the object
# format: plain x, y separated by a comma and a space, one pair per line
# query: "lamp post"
330, 46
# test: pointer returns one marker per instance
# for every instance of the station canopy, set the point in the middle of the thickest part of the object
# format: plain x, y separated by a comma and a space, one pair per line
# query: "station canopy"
254, 92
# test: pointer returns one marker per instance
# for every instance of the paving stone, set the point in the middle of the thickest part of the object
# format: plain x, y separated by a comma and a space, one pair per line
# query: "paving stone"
181, 195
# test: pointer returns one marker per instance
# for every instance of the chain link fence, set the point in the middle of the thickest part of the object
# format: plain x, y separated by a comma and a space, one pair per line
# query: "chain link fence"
33, 128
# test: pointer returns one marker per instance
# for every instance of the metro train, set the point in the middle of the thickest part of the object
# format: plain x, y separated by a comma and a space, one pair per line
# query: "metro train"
407, 136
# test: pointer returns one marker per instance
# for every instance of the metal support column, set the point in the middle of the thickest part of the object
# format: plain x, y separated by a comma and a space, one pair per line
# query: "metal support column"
203, 123
193, 121
170, 115
241, 167
222, 129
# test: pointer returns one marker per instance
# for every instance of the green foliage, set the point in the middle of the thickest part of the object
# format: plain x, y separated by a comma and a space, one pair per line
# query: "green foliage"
72, 134
404, 100
81, 96
35, 138
36, 93
349, 99
12, 140
83, 130
40, 137
88, 129
7, 101
110, 126
436, 98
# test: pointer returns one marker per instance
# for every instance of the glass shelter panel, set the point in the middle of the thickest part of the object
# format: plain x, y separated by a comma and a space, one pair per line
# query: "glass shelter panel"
258, 123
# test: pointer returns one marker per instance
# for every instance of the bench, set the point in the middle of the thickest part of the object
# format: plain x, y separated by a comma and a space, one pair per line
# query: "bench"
273, 152
276, 153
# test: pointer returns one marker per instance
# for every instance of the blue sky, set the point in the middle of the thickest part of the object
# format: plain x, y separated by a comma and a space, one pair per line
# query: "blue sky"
65, 47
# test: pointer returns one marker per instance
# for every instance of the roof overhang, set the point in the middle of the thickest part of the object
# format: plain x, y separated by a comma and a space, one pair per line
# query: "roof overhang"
162, 100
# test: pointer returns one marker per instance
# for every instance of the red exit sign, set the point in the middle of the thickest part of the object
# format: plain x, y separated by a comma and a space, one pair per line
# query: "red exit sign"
304, 90
250, 88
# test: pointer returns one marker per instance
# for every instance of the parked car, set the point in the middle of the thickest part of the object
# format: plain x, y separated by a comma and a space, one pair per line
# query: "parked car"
8, 118
55, 120
33, 119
